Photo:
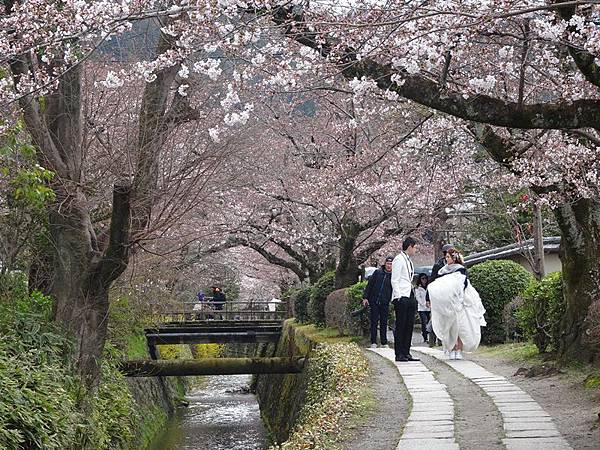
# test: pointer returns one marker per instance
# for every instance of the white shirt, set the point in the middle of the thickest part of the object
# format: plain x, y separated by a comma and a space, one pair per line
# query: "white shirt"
420, 295
402, 275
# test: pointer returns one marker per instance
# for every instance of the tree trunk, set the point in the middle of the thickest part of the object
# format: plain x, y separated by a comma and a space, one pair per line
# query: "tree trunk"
82, 274
347, 272
580, 241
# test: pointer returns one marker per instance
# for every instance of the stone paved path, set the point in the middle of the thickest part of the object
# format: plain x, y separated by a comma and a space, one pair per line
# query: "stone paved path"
431, 421
430, 424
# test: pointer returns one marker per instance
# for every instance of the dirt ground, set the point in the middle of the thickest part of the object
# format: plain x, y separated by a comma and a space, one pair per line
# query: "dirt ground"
574, 408
382, 427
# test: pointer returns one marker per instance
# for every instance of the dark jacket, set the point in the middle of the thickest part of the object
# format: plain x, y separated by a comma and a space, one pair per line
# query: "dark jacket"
436, 268
379, 287
219, 297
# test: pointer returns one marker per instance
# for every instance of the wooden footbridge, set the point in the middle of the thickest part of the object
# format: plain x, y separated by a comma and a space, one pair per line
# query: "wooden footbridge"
205, 323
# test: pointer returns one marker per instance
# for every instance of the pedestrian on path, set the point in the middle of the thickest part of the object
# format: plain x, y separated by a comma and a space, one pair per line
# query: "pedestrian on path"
377, 296
440, 262
405, 304
456, 308
423, 304
434, 274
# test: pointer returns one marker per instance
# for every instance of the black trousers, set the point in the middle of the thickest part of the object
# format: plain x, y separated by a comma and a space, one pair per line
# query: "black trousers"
405, 309
424, 316
378, 313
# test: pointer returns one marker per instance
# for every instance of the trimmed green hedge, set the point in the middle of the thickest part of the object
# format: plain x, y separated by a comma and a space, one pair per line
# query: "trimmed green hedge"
300, 299
355, 297
316, 306
542, 311
498, 282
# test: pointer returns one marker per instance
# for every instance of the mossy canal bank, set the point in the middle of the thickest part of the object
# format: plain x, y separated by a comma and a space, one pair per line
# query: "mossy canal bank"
311, 409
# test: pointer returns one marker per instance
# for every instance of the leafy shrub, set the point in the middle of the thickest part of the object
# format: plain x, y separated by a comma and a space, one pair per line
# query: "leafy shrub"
37, 411
355, 297
498, 282
336, 375
40, 397
301, 298
513, 331
114, 414
201, 351
123, 323
172, 351
542, 312
316, 305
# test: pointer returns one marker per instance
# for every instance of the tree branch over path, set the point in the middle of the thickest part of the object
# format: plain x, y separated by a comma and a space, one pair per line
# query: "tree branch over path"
563, 114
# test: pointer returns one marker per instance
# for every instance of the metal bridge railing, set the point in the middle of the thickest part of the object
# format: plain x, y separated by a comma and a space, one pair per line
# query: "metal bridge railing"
235, 311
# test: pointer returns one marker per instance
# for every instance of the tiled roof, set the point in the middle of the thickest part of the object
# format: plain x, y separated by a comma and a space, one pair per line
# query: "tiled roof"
551, 245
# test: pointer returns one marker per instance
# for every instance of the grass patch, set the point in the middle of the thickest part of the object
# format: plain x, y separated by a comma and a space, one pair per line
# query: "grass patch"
592, 381
516, 351
136, 346
326, 335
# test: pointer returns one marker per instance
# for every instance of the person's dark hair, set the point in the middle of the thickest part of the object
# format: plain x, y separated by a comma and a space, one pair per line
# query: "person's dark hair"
408, 242
421, 277
457, 258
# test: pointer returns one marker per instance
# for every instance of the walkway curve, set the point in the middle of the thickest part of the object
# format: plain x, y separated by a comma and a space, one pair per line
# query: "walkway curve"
526, 424
430, 424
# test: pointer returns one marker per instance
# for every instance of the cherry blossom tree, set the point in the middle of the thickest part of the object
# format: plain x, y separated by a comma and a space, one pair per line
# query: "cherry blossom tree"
521, 73
528, 65
47, 52
321, 187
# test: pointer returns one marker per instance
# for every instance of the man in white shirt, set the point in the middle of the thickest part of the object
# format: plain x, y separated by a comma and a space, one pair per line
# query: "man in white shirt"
403, 299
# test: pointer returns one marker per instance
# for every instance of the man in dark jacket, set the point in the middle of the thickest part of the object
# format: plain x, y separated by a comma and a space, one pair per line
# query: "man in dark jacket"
218, 298
377, 296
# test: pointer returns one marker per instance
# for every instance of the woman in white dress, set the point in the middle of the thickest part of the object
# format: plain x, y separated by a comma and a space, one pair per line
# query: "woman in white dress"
456, 308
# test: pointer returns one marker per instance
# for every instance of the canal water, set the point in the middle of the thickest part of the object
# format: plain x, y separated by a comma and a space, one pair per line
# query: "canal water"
221, 415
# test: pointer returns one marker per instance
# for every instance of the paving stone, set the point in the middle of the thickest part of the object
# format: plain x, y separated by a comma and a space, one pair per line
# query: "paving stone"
526, 424
523, 426
536, 443
519, 413
501, 404
532, 434
527, 419
427, 444
427, 434
503, 388
444, 410
510, 398
521, 407
431, 423
429, 429
416, 416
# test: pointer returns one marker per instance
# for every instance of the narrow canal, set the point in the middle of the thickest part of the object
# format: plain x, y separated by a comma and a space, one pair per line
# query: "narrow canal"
221, 415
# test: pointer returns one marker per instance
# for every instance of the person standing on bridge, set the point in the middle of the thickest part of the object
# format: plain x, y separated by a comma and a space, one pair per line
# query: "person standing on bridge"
218, 298
405, 304
377, 296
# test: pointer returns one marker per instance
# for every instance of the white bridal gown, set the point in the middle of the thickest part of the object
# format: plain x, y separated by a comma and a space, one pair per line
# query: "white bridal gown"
456, 311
